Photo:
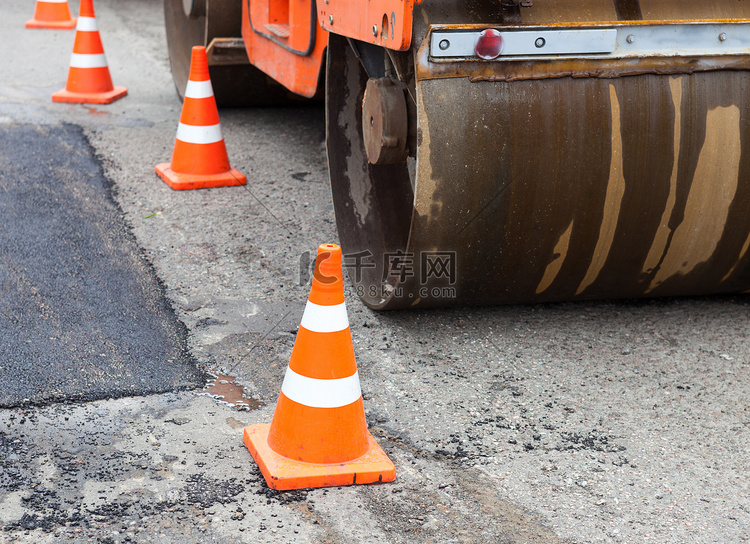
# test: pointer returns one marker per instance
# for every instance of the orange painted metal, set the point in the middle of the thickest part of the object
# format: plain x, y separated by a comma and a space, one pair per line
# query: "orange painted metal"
284, 40
387, 23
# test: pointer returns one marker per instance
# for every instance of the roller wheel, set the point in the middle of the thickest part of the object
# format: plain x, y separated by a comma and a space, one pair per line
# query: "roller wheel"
197, 22
537, 190
373, 202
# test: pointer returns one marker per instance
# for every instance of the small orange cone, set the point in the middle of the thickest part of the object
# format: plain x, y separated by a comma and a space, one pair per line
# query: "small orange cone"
318, 436
89, 81
199, 158
52, 14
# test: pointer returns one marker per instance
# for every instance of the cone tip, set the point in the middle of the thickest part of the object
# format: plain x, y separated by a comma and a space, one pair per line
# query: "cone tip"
198, 64
329, 248
86, 8
328, 284
329, 259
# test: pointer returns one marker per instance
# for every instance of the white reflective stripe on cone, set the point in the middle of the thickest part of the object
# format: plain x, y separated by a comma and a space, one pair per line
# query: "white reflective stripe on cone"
79, 60
86, 24
194, 134
53, 1
199, 89
321, 393
319, 318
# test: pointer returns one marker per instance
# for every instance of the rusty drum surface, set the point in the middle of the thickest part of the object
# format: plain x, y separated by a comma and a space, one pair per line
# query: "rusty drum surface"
554, 178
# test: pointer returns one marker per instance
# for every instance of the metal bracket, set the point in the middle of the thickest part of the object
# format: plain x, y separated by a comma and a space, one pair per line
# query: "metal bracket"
510, 10
226, 51
604, 42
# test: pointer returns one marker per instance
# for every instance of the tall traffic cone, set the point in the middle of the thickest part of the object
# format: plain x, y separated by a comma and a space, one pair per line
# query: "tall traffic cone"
51, 14
199, 158
89, 81
318, 436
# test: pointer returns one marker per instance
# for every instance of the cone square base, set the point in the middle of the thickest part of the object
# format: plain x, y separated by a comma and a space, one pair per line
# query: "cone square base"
59, 25
283, 473
180, 182
63, 95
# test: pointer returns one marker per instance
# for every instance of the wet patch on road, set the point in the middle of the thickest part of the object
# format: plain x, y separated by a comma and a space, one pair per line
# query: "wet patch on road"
224, 389
256, 359
82, 314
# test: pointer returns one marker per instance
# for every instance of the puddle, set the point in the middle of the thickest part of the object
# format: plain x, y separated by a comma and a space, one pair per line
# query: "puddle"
94, 110
224, 390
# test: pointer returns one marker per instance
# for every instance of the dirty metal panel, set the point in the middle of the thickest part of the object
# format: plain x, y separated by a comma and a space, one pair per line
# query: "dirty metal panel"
631, 41
453, 43
707, 50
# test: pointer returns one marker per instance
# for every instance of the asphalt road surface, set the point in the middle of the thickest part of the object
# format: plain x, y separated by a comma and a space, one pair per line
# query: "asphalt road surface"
82, 315
598, 422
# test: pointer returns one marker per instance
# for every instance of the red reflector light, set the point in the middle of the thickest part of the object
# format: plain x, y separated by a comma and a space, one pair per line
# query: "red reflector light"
489, 44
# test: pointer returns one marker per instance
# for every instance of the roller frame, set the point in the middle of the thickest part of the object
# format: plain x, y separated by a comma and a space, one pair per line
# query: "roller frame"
216, 24
573, 175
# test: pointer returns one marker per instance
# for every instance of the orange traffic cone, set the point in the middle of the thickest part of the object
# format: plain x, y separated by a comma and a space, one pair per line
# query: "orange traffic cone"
88, 78
318, 436
199, 158
52, 14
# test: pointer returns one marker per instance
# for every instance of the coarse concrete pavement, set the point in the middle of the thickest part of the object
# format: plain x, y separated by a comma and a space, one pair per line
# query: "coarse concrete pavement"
598, 422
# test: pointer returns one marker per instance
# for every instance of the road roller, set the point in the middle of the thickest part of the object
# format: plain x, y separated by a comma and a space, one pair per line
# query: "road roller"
509, 151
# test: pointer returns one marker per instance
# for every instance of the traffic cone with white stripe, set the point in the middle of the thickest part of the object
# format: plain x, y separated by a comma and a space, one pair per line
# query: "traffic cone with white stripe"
52, 14
318, 436
199, 159
89, 81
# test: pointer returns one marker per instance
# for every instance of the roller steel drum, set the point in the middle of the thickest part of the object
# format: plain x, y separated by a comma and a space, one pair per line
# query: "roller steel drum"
554, 178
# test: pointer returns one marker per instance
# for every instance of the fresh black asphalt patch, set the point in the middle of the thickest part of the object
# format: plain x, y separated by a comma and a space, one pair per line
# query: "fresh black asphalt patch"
82, 314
